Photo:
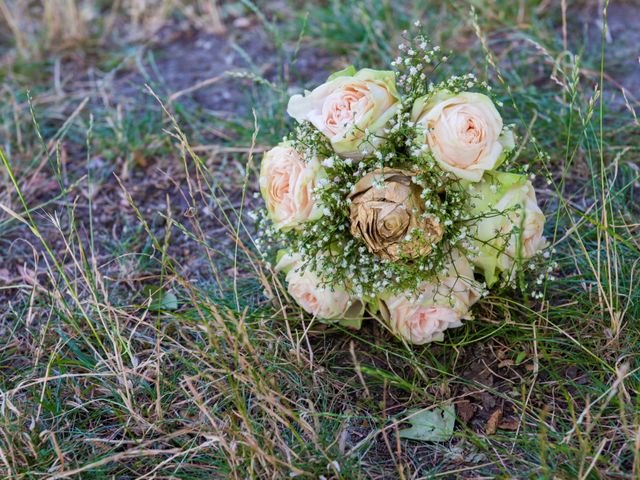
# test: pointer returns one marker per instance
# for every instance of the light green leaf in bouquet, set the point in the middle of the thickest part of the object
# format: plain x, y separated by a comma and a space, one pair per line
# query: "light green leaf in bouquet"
350, 71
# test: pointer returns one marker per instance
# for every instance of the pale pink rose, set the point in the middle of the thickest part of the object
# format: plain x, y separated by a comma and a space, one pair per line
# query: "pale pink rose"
287, 183
318, 299
347, 106
421, 323
423, 317
464, 132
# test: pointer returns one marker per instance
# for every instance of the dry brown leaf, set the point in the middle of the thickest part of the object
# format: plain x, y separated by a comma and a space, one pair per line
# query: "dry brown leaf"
509, 423
465, 410
140, 159
493, 422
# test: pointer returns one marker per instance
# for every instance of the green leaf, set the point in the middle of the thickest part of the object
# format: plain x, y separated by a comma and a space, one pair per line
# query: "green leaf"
169, 301
350, 71
160, 300
435, 425
355, 323
521, 356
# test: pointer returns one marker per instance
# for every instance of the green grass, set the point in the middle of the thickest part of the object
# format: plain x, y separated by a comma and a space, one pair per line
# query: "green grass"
110, 212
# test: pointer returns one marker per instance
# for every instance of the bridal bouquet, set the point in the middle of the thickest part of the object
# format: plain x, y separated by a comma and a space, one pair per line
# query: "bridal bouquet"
397, 196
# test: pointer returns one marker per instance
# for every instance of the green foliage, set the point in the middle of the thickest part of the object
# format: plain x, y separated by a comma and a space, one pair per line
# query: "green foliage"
435, 425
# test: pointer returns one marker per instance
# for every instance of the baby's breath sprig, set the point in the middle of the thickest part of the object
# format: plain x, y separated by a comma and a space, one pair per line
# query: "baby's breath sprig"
417, 61
310, 142
461, 83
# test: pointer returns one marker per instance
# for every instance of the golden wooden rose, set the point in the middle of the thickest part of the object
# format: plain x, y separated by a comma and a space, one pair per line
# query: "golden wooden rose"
386, 209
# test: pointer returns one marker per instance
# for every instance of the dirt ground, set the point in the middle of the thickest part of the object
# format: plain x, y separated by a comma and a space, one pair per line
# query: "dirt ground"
623, 55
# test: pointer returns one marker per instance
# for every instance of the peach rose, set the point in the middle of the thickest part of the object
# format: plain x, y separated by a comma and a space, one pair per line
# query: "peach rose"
287, 183
510, 225
349, 105
321, 301
423, 317
464, 132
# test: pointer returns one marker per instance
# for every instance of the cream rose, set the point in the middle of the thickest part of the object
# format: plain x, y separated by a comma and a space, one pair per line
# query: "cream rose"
349, 105
287, 183
423, 317
321, 301
510, 224
464, 132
